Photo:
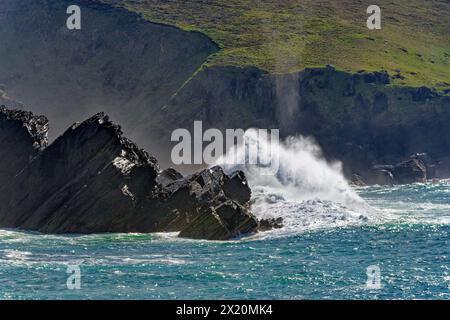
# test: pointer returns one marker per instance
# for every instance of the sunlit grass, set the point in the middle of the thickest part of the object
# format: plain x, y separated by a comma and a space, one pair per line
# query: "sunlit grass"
287, 36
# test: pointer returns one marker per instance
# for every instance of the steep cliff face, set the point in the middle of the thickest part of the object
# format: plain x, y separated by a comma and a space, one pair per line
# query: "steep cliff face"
92, 179
360, 119
288, 36
149, 77
117, 62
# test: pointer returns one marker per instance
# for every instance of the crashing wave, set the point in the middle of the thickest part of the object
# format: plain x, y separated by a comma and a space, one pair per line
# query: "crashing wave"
306, 190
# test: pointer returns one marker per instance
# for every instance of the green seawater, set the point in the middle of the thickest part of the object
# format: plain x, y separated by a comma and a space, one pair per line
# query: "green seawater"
410, 244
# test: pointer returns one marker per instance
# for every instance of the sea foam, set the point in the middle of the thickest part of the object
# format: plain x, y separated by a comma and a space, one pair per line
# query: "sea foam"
306, 191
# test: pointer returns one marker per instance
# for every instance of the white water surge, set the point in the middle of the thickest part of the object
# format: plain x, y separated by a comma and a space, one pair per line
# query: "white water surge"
307, 191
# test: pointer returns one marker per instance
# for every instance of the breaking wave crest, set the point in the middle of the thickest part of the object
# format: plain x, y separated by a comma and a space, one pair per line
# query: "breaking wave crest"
306, 190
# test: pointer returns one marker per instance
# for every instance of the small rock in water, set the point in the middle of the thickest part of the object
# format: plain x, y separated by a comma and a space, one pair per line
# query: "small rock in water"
269, 224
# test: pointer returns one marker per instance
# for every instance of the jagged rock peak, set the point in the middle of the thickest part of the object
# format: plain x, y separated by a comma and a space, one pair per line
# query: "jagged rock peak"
130, 150
37, 126
92, 180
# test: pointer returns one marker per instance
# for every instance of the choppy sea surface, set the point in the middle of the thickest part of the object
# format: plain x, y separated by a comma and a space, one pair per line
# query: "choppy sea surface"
323, 252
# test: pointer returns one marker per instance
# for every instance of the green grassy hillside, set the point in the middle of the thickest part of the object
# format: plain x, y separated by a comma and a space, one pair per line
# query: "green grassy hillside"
289, 35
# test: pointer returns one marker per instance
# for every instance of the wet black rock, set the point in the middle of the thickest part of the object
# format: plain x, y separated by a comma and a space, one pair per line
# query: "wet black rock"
207, 202
92, 179
410, 171
168, 176
236, 187
269, 224
22, 136
417, 168
89, 180
224, 221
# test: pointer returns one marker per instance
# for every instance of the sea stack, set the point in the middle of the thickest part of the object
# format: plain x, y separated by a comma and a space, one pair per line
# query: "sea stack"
93, 180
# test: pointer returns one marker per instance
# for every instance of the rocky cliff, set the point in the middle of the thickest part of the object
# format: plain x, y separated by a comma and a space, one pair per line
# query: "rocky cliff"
359, 119
92, 179
22, 136
118, 63
155, 78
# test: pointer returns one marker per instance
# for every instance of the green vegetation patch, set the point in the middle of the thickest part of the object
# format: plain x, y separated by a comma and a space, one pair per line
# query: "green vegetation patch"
287, 36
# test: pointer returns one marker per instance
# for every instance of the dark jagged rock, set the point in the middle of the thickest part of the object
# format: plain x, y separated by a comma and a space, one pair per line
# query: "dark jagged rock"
92, 179
224, 221
89, 180
269, 224
22, 136
429, 164
202, 200
413, 170
410, 171
168, 176
236, 187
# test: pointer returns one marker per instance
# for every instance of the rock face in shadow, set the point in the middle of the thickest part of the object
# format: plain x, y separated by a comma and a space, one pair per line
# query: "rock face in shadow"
153, 79
418, 168
216, 200
410, 171
22, 136
118, 63
357, 119
92, 179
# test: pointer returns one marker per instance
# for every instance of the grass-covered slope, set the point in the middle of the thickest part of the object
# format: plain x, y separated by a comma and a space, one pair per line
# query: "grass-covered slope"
289, 35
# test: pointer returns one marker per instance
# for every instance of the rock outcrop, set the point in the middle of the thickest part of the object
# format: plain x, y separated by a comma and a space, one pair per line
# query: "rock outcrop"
118, 63
381, 175
22, 136
357, 119
410, 171
157, 80
92, 179
212, 202
269, 224
418, 168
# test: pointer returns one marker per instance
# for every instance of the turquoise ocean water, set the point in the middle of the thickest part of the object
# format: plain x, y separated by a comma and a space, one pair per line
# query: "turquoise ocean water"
322, 257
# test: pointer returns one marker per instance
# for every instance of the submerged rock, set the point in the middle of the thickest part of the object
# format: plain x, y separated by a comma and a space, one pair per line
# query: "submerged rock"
92, 179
